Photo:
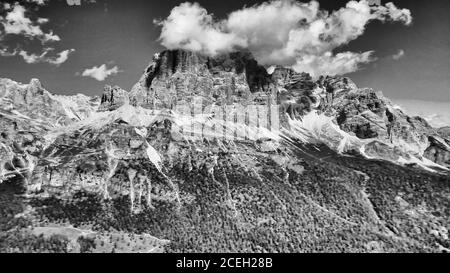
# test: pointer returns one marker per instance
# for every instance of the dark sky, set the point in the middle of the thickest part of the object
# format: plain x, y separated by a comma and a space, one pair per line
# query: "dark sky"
122, 33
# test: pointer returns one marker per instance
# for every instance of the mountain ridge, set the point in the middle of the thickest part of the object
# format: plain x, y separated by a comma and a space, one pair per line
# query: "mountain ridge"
198, 136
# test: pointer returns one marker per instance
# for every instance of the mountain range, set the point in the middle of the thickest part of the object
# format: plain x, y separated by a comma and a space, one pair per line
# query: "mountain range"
220, 154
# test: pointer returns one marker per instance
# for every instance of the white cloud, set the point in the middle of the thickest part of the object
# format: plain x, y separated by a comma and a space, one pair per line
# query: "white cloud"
390, 12
400, 54
287, 33
100, 73
16, 21
329, 64
32, 58
38, 2
61, 57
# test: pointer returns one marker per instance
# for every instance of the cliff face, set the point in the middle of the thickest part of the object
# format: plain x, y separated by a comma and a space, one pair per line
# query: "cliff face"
369, 115
33, 101
113, 98
28, 115
176, 77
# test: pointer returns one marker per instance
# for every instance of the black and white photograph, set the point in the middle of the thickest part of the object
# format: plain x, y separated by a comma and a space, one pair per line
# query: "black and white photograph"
238, 127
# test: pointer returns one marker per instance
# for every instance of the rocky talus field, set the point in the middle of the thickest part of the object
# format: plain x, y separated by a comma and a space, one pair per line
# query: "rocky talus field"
220, 155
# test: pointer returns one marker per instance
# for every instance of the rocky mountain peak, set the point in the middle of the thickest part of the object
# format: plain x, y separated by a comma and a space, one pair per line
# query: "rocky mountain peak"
35, 85
33, 101
175, 78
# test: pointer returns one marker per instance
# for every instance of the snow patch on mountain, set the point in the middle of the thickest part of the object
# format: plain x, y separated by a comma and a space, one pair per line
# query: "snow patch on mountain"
77, 107
319, 128
154, 157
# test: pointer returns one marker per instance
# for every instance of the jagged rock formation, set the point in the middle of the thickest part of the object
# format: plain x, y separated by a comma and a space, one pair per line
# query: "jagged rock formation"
111, 161
113, 98
177, 76
34, 102
438, 151
370, 116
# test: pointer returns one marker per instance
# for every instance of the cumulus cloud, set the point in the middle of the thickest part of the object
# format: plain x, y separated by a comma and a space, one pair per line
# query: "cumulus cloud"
288, 33
189, 26
400, 54
38, 2
100, 73
5, 53
329, 64
57, 60
390, 12
17, 20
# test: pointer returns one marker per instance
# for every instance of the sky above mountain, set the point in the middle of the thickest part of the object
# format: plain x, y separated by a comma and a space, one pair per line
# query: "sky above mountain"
73, 48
